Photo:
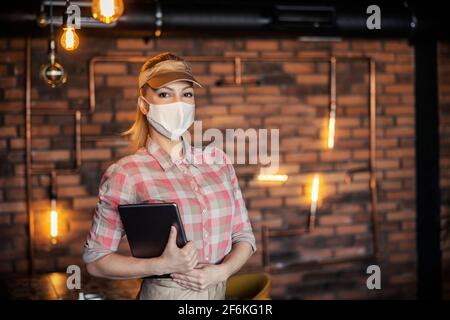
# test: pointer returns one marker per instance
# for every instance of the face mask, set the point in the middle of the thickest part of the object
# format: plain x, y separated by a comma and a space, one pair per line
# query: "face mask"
172, 119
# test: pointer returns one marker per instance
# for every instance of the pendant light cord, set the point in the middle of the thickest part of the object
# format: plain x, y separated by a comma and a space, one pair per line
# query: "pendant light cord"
51, 18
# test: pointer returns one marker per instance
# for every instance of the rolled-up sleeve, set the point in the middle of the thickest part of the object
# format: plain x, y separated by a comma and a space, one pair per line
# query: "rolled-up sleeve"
107, 230
242, 228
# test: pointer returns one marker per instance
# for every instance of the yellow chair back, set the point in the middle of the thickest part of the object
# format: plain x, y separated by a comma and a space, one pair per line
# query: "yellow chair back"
249, 286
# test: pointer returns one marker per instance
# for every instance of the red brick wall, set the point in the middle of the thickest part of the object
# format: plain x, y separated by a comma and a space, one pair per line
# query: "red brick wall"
292, 97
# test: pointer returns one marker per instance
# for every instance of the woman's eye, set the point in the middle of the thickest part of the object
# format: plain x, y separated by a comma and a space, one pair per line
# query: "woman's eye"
188, 94
163, 95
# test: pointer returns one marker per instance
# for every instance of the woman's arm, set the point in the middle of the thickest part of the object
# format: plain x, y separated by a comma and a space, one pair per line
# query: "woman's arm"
237, 257
117, 266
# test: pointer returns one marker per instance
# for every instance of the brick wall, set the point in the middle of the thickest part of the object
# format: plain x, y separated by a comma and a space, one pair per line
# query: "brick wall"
292, 97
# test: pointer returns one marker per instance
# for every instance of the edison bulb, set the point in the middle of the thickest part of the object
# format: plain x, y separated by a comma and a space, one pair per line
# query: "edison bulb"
107, 11
69, 39
53, 221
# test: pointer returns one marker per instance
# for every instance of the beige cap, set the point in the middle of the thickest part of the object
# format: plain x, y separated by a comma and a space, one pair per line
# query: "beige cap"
161, 74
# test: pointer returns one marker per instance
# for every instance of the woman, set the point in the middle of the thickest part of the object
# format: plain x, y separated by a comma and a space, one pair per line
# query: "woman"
165, 167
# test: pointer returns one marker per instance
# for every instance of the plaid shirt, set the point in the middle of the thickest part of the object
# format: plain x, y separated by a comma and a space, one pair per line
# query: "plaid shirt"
208, 196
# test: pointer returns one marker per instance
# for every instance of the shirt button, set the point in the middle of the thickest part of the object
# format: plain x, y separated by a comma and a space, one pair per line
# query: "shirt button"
204, 211
206, 234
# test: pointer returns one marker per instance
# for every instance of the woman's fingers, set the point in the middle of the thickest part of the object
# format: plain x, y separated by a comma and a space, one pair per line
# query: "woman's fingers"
189, 277
187, 284
184, 285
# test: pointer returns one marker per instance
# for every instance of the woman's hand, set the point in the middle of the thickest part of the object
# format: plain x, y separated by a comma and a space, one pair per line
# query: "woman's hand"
203, 276
176, 259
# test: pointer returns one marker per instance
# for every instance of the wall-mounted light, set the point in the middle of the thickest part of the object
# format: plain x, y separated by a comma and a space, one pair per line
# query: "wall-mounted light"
53, 222
314, 202
270, 174
54, 216
272, 177
331, 128
107, 11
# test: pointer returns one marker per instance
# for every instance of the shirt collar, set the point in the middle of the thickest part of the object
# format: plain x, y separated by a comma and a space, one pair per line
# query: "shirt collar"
164, 159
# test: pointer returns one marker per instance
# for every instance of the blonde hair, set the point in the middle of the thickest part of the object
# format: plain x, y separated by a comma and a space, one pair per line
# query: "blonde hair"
140, 129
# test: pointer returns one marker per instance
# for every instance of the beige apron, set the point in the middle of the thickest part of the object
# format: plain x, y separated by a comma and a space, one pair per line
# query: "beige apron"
167, 289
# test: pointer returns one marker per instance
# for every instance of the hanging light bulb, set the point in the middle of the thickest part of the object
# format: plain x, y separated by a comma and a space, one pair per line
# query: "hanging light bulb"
53, 212
52, 72
314, 199
69, 39
53, 222
107, 11
331, 128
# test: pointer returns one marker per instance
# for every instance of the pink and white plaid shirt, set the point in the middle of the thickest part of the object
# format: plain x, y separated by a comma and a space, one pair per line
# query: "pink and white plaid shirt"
208, 196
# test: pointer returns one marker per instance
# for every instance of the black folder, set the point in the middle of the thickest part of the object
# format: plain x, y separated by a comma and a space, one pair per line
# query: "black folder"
147, 226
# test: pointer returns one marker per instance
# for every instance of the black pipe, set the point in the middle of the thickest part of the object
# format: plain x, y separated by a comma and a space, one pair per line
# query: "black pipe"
256, 18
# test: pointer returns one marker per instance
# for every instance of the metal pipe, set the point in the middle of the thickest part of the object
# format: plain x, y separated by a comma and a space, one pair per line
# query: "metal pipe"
53, 184
78, 139
30, 213
262, 18
372, 156
333, 84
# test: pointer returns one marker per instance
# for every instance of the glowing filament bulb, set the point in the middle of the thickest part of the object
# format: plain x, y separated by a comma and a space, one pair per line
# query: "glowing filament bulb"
331, 129
69, 39
107, 8
107, 11
53, 220
272, 177
314, 194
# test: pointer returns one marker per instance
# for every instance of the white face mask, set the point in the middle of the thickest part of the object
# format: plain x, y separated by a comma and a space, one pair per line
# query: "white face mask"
172, 119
